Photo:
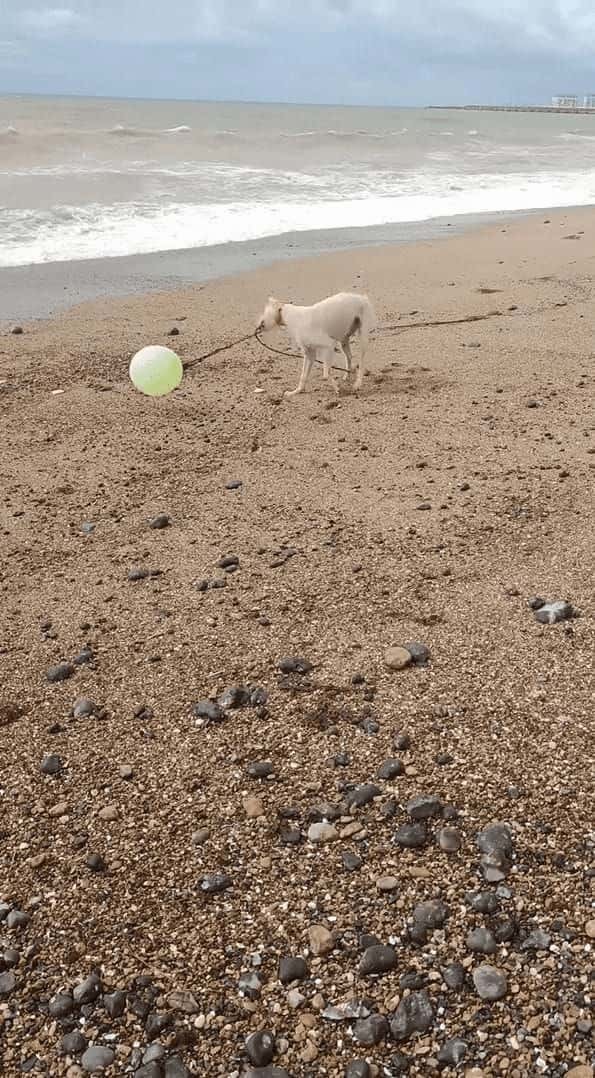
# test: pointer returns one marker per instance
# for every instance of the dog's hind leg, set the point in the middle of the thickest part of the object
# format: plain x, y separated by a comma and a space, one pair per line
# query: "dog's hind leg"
346, 346
306, 368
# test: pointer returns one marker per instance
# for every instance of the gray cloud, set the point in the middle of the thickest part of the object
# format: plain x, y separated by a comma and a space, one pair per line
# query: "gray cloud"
346, 50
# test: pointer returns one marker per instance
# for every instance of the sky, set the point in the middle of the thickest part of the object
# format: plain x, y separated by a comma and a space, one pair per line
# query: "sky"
368, 52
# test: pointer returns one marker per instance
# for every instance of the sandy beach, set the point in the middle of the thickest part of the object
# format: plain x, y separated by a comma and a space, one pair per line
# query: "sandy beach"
179, 861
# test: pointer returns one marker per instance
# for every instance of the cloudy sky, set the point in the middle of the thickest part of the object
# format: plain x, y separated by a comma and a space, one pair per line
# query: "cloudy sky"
409, 52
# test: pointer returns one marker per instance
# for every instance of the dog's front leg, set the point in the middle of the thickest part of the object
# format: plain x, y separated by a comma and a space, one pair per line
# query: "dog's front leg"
327, 360
306, 368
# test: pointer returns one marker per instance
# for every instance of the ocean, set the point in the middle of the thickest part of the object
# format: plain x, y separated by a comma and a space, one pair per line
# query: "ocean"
94, 178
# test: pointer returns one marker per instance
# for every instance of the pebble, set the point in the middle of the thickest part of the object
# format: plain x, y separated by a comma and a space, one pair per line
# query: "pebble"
292, 969
87, 991
261, 769
414, 1014
397, 658
495, 843
61, 1005
582, 1071
481, 941
551, 613
294, 664
402, 742
490, 983
87, 527
411, 836
253, 807
184, 1001
250, 985
399, 1064
152, 1069
453, 1052
419, 653
72, 1044
115, 1004
84, 657
61, 672
261, 1048
139, 574
431, 914
379, 958
230, 561
371, 1031
351, 861
310, 1052
322, 833
51, 765
174, 1068
358, 1068
83, 707
233, 484
268, 1072
97, 1058
110, 813
8, 983
320, 940
454, 976
96, 863
215, 883
387, 883
126, 772
424, 806
17, 919
449, 839
208, 710
295, 998
483, 901
362, 795
17, 331
590, 930
538, 940
347, 1011
11, 957
160, 522
391, 769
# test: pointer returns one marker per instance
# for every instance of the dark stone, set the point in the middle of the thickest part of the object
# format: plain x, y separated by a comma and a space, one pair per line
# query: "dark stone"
390, 769
17, 919
399, 1064
83, 707
481, 941
341, 759
261, 1048
431, 914
174, 332
208, 710
413, 980
95, 863
268, 1072
490, 983
402, 742
495, 843
551, 613
250, 985
536, 602
51, 765
505, 930
424, 806
174, 1068
11, 957
454, 976
72, 1044
483, 902
150, 1070
292, 969
362, 795
84, 657
115, 1004
411, 836
414, 1014
61, 672
351, 861
379, 958
389, 809
293, 664
160, 522
8, 983
261, 769
358, 1068
97, 1058
230, 561
61, 1005
215, 883
233, 484
139, 574
419, 653
452, 1052
235, 697
17, 331
538, 940
371, 1031
87, 991
155, 1025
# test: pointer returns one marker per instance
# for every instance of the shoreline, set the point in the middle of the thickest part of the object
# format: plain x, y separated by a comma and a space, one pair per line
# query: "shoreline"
42, 290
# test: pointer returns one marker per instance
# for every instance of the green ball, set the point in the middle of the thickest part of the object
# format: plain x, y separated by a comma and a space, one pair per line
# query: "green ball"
156, 370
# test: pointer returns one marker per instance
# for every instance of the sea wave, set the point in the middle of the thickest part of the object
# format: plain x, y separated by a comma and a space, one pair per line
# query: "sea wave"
95, 231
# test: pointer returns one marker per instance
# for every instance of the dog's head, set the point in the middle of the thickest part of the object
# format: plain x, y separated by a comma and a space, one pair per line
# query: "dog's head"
271, 316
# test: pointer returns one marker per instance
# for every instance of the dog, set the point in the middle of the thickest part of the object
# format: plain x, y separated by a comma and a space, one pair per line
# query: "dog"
317, 329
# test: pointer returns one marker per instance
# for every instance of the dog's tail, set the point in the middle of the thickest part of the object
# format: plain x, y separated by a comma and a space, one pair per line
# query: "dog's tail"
367, 322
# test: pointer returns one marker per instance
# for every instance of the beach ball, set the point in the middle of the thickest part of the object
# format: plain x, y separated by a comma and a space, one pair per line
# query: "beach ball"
156, 370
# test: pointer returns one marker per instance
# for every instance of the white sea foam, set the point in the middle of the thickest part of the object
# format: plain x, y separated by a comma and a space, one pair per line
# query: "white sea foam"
76, 232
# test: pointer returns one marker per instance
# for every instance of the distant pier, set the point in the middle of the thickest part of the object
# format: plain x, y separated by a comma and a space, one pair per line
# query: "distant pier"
576, 110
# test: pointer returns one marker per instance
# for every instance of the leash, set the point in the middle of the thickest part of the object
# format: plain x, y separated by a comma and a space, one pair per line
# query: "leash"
394, 328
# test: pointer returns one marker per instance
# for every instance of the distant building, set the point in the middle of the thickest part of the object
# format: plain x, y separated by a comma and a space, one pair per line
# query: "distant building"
565, 101
589, 101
